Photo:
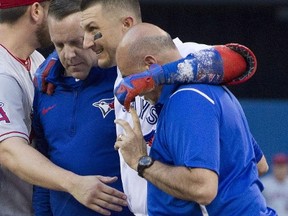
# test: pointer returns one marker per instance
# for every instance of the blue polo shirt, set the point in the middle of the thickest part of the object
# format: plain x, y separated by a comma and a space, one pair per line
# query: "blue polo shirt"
204, 126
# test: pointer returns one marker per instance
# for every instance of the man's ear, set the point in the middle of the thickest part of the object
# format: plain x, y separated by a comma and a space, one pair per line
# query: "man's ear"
36, 12
128, 22
149, 60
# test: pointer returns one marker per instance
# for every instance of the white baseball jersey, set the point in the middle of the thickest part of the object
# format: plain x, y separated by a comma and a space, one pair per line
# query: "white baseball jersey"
276, 194
134, 186
16, 96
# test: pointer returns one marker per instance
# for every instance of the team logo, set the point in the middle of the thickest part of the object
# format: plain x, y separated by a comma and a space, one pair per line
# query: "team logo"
105, 106
3, 116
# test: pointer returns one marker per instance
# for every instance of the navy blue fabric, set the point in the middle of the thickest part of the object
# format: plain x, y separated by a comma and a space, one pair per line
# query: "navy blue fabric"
75, 129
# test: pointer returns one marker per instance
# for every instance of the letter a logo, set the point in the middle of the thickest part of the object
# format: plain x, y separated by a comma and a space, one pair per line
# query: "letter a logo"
3, 116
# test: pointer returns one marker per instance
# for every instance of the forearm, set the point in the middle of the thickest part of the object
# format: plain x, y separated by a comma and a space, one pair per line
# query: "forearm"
31, 166
223, 66
198, 185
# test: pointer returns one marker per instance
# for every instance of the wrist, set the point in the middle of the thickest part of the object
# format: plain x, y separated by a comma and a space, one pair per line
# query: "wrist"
156, 71
70, 181
144, 163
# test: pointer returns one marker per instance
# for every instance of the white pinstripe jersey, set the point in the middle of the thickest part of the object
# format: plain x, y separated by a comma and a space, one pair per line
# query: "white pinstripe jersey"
134, 186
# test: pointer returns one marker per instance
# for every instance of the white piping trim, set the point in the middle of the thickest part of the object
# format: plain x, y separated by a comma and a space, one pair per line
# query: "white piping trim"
197, 91
204, 210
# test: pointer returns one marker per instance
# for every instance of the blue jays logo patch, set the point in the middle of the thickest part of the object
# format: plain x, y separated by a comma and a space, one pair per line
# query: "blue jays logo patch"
105, 106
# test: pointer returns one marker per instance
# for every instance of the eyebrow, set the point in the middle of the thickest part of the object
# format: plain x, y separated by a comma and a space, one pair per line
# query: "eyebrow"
85, 26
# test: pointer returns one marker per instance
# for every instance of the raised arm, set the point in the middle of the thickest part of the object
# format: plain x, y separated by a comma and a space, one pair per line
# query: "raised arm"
193, 184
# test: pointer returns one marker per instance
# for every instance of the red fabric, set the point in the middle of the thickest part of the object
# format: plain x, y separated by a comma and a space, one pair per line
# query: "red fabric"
234, 64
16, 3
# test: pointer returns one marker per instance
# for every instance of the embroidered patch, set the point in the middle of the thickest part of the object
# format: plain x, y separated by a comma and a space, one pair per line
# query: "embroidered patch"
105, 106
3, 116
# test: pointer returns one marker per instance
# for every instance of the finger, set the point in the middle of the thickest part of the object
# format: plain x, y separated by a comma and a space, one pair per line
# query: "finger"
119, 138
107, 192
111, 199
107, 180
116, 146
50, 89
136, 121
114, 196
125, 125
104, 207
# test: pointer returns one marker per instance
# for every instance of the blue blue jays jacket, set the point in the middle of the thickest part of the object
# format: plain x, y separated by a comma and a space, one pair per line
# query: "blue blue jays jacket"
75, 129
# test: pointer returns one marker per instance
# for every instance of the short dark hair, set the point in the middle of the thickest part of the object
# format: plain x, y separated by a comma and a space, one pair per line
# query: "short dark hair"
131, 5
59, 9
11, 15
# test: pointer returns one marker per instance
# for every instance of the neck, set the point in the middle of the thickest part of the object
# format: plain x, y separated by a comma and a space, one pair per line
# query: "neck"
154, 95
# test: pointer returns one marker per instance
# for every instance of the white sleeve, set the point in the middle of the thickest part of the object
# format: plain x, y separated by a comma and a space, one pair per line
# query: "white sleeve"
134, 186
189, 47
14, 120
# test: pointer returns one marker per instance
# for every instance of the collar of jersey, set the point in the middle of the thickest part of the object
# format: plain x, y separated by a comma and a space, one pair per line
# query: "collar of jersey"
166, 92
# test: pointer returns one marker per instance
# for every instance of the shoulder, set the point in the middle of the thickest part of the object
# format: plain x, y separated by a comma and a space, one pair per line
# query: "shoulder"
50, 68
6, 61
103, 75
107, 71
36, 54
37, 57
202, 91
8, 81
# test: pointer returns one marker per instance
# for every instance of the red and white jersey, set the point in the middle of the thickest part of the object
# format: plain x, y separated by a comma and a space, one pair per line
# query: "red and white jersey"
16, 96
134, 186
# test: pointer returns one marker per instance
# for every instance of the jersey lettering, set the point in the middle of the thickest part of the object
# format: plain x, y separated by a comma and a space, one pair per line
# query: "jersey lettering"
3, 116
144, 105
153, 117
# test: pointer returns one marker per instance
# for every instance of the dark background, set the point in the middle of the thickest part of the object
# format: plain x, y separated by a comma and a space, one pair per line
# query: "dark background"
260, 25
